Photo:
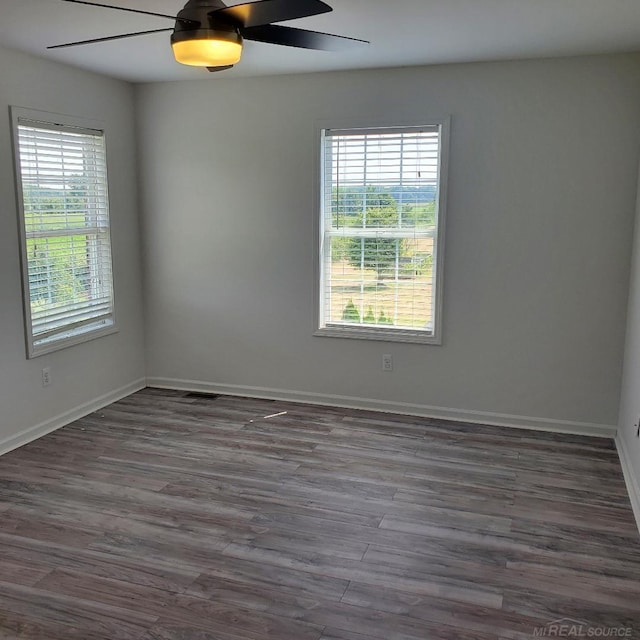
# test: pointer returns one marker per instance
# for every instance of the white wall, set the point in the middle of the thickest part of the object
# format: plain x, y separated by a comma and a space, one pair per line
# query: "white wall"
627, 440
83, 374
543, 177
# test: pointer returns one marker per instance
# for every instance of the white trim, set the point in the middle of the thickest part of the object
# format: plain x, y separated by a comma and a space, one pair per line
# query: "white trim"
52, 120
633, 483
75, 338
364, 332
386, 406
360, 131
66, 418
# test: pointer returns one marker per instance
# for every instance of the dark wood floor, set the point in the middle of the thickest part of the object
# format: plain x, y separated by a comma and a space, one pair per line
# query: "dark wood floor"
169, 516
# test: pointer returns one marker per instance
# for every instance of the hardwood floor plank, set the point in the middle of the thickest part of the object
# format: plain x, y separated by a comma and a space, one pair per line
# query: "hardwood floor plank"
384, 626
445, 495
605, 591
339, 634
309, 544
579, 559
171, 630
48, 607
439, 611
15, 626
449, 518
550, 607
210, 615
572, 487
272, 501
540, 536
259, 575
118, 593
198, 554
54, 472
462, 568
22, 573
48, 556
27, 523
613, 519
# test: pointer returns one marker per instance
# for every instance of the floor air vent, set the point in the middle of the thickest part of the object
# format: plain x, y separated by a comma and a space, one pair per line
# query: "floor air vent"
202, 395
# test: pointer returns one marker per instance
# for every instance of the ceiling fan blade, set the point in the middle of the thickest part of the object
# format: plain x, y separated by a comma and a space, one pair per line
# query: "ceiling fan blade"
291, 37
107, 38
254, 14
214, 69
146, 13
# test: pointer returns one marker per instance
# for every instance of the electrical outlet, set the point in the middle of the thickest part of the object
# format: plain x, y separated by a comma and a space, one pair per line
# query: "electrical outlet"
46, 376
387, 362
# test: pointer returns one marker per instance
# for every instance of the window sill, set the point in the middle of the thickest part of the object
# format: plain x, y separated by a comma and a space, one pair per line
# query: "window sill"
385, 335
70, 341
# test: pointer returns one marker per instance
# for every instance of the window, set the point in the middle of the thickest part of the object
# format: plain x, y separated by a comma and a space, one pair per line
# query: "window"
381, 241
63, 206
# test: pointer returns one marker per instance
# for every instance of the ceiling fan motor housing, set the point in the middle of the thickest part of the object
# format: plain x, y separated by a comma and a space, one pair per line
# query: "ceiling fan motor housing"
195, 17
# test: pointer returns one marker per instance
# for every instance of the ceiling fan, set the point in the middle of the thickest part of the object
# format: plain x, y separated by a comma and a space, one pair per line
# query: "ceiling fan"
208, 33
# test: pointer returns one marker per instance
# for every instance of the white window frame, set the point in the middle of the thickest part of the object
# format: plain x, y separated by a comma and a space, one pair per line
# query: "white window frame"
76, 333
390, 334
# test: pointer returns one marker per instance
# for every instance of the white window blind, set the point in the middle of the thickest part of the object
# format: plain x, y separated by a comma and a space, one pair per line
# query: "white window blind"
380, 241
66, 248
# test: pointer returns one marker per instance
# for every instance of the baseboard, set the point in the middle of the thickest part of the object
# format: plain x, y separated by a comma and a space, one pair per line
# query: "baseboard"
386, 406
69, 416
633, 485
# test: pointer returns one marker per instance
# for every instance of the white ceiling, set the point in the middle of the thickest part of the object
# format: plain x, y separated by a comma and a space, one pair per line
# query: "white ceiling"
402, 32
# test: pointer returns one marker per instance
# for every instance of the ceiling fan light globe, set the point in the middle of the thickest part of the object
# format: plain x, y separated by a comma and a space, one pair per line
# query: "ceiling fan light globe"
208, 49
